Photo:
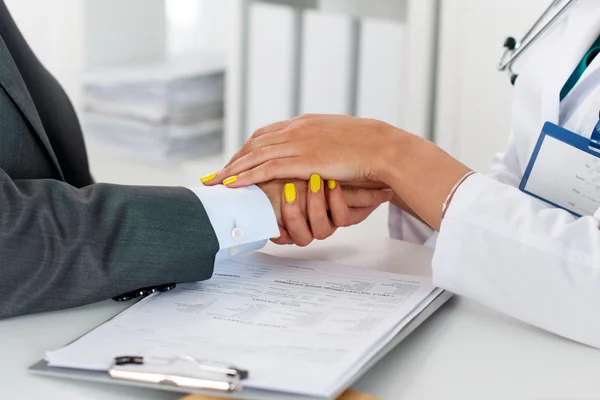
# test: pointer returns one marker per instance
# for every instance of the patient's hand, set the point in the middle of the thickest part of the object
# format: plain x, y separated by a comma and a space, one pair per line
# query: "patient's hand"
316, 210
274, 191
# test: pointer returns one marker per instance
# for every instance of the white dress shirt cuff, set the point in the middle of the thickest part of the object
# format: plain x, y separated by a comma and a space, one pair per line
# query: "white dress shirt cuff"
243, 219
403, 226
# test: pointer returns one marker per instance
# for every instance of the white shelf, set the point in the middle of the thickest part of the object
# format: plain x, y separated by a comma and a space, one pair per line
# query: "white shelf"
419, 19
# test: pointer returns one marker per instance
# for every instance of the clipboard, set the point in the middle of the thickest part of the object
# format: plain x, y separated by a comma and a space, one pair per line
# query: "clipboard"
347, 395
239, 392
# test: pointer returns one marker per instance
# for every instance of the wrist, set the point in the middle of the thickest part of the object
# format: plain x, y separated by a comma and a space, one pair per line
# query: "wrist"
422, 175
396, 156
274, 191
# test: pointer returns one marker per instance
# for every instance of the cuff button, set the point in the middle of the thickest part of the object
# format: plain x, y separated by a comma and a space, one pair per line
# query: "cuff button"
237, 233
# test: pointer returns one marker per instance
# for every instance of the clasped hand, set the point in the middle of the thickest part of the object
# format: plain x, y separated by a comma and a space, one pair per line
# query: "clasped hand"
282, 159
364, 152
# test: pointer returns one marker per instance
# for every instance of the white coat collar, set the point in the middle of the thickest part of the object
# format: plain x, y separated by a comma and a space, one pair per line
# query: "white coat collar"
582, 30
542, 77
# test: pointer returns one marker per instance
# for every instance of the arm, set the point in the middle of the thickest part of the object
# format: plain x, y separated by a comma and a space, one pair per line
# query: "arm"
496, 245
519, 256
505, 249
406, 225
63, 247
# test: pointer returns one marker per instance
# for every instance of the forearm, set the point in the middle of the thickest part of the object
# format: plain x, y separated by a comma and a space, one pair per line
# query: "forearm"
421, 174
63, 247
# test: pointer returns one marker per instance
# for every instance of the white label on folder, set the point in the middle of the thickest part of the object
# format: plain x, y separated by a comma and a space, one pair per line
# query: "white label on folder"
566, 176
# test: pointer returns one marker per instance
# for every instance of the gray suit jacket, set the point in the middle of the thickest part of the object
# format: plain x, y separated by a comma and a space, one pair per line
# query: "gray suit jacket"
65, 241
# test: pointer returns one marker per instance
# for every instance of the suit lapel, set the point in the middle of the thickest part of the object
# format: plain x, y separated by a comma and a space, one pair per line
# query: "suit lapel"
12, 82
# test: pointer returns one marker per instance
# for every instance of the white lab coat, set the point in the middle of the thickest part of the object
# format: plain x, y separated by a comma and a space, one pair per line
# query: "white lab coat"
505, 249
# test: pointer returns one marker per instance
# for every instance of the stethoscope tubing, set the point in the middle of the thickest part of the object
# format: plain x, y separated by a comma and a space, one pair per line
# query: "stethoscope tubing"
514, 49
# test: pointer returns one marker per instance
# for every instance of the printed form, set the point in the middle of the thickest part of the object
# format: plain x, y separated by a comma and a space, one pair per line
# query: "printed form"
298, 326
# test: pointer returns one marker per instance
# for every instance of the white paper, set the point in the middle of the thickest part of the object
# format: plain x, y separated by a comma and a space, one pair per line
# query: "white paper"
297, 326
163, 72
573, 183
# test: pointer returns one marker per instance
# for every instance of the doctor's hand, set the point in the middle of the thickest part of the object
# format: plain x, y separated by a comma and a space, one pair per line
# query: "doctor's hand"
314, 210
350, 149
335, 146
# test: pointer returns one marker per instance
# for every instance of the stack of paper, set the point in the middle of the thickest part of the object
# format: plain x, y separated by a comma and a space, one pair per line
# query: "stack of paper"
299, 327
163, 111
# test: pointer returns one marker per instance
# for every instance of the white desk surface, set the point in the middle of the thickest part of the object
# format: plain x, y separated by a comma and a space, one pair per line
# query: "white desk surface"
464, 351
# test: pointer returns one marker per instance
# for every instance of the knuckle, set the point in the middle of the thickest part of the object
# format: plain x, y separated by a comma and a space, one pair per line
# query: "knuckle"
225, 171
254, 175
341, 220
270, 169
258, 132
346, 223
250, 143
303, 242
302, 121
255, 155
259, 152
289, 134
293, 220
321, 235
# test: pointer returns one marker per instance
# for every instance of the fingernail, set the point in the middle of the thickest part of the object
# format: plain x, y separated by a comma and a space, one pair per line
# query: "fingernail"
315, 183
331, 184
230, 180
289, 192
387, 191
208, 177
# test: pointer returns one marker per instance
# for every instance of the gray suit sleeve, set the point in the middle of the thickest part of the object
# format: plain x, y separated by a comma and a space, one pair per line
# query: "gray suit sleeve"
62, 246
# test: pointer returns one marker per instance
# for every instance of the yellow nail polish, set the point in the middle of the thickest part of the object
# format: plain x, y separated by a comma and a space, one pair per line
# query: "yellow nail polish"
289, 192
331, 184
208, 178
315, 183
230, 180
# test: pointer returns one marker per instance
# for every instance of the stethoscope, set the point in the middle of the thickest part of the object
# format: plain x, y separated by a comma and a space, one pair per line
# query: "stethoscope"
513, 49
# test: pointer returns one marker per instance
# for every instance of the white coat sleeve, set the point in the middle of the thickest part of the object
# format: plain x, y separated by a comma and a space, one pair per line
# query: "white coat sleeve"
505, 166
520, 256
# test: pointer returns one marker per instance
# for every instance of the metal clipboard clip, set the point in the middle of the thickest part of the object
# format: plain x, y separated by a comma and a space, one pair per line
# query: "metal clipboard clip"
193, 375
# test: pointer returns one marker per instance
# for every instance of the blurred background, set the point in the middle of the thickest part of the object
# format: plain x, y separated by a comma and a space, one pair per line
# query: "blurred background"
167, 90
